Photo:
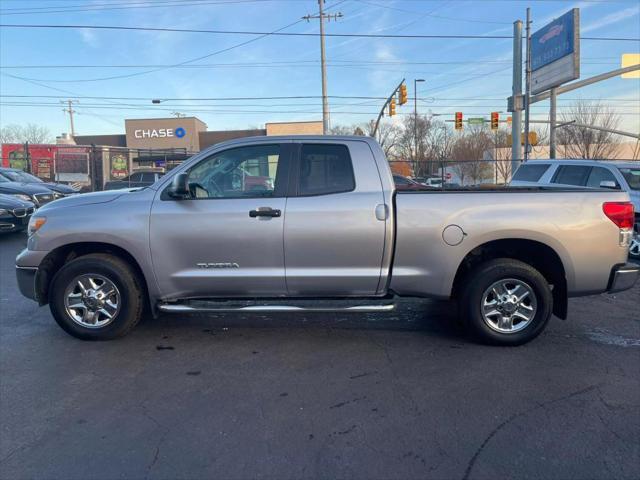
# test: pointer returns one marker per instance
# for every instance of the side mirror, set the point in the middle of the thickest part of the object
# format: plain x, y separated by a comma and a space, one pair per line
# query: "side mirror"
180, 187
609, 184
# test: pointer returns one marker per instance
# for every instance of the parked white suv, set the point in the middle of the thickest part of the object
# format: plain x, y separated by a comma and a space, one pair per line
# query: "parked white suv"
587, 173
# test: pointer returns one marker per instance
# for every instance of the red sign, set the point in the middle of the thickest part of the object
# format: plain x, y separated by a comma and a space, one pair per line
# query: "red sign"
14, 156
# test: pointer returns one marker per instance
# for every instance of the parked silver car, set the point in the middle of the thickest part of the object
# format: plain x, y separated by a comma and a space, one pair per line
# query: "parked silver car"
587, 173
316, 224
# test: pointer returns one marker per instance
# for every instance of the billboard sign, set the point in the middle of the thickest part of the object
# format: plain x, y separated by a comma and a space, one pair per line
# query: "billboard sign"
555, 52
72, 164
628, 60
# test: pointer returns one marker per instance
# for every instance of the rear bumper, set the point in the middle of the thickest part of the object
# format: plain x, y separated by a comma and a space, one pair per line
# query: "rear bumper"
623, 277
26, 277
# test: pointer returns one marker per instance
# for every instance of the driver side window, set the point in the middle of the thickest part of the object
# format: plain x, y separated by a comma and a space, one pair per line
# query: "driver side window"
243, 172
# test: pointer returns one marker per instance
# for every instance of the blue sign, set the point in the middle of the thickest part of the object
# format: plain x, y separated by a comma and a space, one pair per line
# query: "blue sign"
180, 132
554, 41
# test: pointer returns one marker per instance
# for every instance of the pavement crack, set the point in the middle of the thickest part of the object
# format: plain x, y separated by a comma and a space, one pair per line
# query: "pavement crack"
516, 415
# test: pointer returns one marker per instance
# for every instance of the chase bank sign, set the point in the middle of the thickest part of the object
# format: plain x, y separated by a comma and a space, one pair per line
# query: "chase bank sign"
162, 133
159, 132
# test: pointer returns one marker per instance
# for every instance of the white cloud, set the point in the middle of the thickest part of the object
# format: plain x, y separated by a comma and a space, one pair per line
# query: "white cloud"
612, 18
89, 37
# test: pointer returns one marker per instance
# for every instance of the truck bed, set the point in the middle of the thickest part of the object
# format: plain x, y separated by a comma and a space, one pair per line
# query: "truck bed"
570, 221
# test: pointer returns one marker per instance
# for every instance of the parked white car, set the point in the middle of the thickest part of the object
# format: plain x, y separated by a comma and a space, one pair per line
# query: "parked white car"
587, 173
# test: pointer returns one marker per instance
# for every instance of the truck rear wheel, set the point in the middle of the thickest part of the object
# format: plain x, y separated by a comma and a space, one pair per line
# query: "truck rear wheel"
506, 302
96, 297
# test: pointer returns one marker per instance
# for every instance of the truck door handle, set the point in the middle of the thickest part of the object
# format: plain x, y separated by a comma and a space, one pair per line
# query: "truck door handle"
264, 212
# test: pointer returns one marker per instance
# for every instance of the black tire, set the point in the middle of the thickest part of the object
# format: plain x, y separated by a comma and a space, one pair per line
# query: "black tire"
120, 274
481, 278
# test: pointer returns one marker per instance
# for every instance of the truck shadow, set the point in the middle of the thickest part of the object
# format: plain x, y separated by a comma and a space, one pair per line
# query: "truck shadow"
433, 318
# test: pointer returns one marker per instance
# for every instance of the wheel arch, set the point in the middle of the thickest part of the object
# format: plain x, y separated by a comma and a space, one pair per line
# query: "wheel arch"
65, 253
539, 255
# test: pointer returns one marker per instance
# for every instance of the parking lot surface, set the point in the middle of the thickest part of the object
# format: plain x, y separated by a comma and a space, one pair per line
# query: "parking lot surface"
402, 395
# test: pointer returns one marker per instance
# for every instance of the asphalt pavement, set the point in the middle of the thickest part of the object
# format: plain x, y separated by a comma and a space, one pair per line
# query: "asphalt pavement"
402, 395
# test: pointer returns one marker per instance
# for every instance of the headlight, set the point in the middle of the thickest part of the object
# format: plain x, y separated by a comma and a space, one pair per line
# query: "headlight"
35, 223
3, 211
22, 196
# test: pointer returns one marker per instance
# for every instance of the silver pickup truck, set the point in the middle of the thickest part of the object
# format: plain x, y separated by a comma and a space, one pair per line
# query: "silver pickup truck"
316, 224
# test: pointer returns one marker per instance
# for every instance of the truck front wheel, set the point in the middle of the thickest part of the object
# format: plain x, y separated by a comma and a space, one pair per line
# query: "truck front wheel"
505, 302
96, 297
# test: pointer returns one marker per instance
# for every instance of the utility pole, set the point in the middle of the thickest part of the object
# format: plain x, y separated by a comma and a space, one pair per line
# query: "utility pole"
516, 99
527, 92
70, 111
325, 101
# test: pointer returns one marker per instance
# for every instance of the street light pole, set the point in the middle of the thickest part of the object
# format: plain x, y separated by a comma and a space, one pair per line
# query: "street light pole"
415, 117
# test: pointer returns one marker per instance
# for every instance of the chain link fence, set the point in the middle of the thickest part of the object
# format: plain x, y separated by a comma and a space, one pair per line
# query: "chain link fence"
89, 168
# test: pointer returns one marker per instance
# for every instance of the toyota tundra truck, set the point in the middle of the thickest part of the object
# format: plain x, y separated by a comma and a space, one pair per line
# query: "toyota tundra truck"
327, 232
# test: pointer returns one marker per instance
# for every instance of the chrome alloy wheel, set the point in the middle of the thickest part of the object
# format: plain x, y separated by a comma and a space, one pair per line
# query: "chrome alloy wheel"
92, 300
509, 305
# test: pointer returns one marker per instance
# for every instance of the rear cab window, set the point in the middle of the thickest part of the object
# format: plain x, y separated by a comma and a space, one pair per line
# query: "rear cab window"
325, 169
598, 175
575, 175
531, 172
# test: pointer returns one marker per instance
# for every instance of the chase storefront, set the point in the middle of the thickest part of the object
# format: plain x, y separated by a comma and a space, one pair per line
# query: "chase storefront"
164, 133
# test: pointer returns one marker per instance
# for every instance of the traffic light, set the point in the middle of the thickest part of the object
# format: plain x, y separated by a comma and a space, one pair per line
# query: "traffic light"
403, 94
458, 120
495, 121
392, 107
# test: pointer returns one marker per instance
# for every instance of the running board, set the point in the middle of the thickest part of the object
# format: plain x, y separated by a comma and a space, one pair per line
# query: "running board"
223, 306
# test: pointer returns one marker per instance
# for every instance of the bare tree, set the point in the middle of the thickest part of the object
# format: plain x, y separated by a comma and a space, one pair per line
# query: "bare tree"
502, 155
342, 130
31, 133
413, 143
440, 140
468, 151
585, 142
387, 136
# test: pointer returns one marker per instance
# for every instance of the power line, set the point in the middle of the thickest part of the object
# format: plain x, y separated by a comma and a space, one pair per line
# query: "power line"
238, 112
443, 17
277, 64
119, 6
189, 61
295, 34
291, 97
235, 105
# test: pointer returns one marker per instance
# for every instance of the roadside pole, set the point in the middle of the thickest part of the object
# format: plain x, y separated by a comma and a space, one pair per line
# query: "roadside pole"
527, 92
323, 67
553, 102
325, 102
516, 121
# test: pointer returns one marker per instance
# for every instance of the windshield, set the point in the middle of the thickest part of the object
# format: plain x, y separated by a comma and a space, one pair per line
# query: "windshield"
632, 176
20, 176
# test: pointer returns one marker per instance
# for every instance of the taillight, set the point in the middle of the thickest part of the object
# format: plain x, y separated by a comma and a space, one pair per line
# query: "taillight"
620, 213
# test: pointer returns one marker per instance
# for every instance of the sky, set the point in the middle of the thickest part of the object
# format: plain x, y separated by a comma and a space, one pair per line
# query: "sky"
468, 75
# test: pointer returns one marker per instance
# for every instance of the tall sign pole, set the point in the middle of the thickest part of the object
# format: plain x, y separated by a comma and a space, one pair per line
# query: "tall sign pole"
527, 91
555, 60
516, 99
325, 101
